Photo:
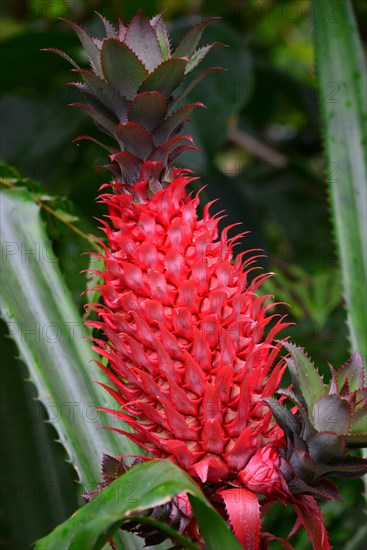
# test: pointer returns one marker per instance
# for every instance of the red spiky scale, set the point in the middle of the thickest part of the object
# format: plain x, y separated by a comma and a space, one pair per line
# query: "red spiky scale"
244, 515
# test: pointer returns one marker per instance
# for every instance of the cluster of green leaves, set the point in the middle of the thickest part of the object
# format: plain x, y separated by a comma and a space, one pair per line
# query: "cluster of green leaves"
261, 153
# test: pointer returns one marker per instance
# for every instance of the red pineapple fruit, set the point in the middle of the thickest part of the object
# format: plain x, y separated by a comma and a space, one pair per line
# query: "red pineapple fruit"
186, 349
185, 329
190, 351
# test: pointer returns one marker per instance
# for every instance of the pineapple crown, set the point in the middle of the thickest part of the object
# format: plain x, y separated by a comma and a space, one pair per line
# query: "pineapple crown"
132, 91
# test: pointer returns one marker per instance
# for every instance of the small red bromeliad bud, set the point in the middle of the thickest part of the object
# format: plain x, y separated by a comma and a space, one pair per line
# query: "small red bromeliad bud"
262, 474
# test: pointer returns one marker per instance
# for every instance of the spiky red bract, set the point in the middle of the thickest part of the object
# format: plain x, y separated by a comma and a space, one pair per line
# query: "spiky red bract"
190, 349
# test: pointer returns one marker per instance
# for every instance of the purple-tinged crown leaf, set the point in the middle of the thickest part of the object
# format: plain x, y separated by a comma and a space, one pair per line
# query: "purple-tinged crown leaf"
199, 56
130, 166
352, 373
106, 94
148, 109
135, 138
162, 35
112, 468
162, 152
89, 138
326, 447
90, 47
110, 30
304, 466
288, 422
94, 102
142, 39
104, 123
122, 68
181, 96
166, 77
173, 122
191, 39
63, 55
331, 413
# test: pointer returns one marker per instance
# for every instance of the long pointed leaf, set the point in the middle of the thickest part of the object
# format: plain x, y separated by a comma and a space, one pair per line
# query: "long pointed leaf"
342, 80
341, 69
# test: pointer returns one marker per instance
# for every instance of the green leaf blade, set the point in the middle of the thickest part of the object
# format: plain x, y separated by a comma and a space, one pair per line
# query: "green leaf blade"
48, 331
306, 378
154, 483
343, 98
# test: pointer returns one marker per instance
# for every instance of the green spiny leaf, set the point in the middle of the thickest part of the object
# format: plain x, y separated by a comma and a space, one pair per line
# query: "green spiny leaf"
359, 423
340, 64
47, 329
162, 35
143, 487
309, 380
93, 281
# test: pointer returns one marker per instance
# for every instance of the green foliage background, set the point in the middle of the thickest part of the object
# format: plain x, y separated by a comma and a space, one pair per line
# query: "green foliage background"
261, 153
